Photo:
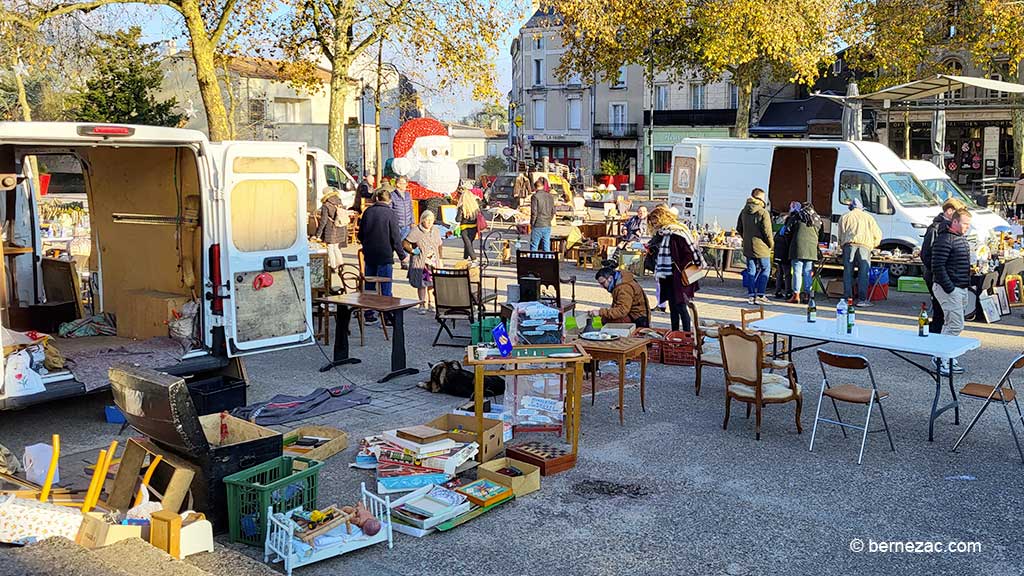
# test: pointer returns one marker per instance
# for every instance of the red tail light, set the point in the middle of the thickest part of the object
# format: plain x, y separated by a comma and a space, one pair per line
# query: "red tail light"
215, 278
105, 131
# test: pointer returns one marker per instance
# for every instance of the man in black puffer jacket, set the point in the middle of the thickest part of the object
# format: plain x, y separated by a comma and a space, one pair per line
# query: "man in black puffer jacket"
940, 223
380, 236
951, 274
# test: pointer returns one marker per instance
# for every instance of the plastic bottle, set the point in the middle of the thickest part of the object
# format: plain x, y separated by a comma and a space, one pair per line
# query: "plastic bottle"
851, 317
812, 310
841, 317
922, 321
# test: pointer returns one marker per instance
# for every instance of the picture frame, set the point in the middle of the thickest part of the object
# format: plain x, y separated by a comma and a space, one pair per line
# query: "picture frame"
1004, 300
990, 308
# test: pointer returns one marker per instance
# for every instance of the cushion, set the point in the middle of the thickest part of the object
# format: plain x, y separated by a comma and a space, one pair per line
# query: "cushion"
712, 356
773, 386
777, 364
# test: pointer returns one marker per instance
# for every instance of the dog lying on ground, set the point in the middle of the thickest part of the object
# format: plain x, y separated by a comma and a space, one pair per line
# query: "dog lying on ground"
449, 377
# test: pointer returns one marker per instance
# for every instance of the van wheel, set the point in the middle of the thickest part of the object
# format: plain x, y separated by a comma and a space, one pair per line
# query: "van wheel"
897, 270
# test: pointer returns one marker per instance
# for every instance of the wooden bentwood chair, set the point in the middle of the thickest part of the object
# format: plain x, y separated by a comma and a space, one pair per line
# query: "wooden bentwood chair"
747, 380
851, 394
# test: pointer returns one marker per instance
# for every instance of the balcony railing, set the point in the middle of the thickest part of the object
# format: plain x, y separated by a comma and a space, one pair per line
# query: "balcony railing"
616, 131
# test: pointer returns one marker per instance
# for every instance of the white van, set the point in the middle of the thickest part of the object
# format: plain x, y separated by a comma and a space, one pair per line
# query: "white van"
323, 172
983, 220
711, 179
171, 216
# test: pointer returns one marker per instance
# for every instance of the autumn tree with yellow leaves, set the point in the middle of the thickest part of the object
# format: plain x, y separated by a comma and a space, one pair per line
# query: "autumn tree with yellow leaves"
750, 40
455, 38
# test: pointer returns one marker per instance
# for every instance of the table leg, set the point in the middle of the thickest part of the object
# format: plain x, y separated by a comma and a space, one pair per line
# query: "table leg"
789, 348
577, 389
593, 381
643, 380
398, 367
952, 392
478, 407
622, 390
342, 316
936, 411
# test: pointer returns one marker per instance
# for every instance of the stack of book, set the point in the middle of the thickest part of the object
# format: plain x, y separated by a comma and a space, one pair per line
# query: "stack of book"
427, 507
411, 458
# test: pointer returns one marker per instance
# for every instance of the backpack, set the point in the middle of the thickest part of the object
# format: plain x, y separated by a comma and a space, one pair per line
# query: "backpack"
340, 222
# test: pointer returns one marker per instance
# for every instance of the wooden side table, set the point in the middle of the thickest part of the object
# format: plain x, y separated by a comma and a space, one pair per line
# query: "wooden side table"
621, 351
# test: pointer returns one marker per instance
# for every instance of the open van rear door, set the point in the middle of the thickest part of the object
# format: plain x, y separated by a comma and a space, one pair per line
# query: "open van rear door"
683, 180
265, 251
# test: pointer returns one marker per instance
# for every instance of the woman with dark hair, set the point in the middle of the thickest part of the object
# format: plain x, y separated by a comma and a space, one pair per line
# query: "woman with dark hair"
672, 249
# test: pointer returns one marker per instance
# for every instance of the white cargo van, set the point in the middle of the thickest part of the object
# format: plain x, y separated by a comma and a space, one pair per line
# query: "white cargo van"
324, 171
983, 220
711, 179
172, 217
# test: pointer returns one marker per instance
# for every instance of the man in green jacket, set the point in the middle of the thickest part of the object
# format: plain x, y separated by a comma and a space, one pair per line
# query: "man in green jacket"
755, 226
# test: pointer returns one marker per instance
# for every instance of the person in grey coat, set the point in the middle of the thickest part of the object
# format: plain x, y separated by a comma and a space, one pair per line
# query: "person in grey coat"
755, 226
803, 250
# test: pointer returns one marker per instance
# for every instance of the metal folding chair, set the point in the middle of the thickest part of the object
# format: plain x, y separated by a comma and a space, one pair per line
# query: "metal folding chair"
1004, 393
851, 394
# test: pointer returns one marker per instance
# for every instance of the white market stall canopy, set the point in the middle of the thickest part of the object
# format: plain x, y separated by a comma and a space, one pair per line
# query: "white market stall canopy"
939, 84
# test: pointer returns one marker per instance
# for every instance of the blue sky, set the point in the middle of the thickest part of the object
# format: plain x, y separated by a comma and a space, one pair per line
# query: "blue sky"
163, 23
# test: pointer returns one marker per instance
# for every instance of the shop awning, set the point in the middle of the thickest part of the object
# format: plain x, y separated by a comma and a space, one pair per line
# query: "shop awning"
939, 84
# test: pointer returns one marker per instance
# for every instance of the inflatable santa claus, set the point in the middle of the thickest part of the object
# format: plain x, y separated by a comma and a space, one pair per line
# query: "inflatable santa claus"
423, 153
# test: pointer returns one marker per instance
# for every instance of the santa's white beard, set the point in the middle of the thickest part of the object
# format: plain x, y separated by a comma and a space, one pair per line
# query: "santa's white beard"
440, 177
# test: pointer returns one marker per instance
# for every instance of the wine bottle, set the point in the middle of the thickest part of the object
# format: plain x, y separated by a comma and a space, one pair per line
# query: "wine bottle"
922, 321
812, 310
851, 316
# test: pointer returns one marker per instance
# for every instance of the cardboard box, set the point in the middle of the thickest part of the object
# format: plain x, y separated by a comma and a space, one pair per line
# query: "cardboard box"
337, 443
520, 485
145, 313
95, 532
834, 288
621, 329
497, 412
494, 442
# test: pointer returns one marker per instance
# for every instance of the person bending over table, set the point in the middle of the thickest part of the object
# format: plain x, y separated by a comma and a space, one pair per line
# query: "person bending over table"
629, 303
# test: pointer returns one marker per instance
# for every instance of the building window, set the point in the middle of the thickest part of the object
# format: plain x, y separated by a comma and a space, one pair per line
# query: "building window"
734, 96
575, 114
257, 111
696, 96
538, 115
492, 149
538, 42
292, 110
662, 161
620, 81
661, 97
575, 79
617, 118
837, 67
1004, 71
538, 71
954, 68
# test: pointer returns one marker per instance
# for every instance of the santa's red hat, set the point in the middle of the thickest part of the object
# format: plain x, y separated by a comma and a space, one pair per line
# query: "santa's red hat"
413, 129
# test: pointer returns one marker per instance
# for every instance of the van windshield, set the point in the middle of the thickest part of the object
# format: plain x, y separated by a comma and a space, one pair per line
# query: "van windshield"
944, 189
908, 190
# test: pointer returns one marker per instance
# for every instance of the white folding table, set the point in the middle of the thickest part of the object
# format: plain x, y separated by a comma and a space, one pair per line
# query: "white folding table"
900, 343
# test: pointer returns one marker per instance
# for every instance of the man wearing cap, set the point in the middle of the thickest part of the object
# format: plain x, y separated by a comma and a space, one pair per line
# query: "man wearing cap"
858, 234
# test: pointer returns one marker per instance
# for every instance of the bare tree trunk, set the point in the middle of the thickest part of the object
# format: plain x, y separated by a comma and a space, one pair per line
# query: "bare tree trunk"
336, 113
1017, 118
906, 135
206, 71
743, 78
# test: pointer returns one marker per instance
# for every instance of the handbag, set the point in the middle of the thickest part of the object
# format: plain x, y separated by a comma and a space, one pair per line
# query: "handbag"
481, 222
691, 274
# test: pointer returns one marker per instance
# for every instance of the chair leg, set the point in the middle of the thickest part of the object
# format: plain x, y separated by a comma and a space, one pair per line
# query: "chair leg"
799, 411
728, 403
867, 426
362, 328
697, 382
884, 422
749, 406
758, 428
327, 324
1013, 430
439, 329
838, 417
971, 425
817, 415
384, 327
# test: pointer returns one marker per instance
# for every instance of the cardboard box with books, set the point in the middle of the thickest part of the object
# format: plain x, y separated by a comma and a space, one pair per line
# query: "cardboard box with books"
464, 429
521, 477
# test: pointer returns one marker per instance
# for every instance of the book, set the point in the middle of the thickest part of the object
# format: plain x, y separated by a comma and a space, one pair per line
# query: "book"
401, 515
421, 434
393, 478
484, 492
448, 461
417, 449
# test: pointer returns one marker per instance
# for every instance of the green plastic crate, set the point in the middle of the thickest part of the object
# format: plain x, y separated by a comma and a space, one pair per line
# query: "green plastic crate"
279, 483
911, 284
481, 331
